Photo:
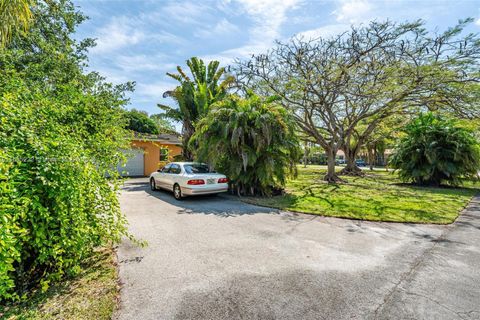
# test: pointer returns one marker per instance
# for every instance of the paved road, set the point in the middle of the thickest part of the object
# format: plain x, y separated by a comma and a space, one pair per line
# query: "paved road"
218, 258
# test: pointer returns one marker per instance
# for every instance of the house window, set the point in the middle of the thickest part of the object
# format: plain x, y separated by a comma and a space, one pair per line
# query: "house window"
164, 154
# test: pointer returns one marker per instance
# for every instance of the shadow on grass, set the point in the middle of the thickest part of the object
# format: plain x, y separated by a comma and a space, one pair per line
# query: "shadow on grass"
362, 198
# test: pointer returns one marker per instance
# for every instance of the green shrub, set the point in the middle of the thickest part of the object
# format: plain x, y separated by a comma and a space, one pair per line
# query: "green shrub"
61, 132
436, 150
56, 203
251, 140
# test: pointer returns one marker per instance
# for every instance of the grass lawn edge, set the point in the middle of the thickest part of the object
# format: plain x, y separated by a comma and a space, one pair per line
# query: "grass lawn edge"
251, 200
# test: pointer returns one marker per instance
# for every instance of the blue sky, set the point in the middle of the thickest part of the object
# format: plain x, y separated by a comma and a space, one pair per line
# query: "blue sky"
141, 40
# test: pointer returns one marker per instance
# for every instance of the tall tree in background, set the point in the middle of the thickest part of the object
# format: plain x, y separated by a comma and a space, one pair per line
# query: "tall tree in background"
340, 89
15, 15
140, 122
194, 96
163, 125
422, 72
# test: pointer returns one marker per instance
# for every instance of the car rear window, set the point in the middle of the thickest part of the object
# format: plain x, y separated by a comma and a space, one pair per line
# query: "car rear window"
175, 168
196, 168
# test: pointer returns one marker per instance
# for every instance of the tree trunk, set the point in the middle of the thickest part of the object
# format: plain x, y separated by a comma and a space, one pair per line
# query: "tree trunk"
331, 176
305, 154
186, 154
351, 168
187, 131
371, 158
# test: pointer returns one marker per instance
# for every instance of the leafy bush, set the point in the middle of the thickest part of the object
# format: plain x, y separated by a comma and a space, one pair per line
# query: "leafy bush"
56, 204
436, 150
251, 140
139, 121
60, 136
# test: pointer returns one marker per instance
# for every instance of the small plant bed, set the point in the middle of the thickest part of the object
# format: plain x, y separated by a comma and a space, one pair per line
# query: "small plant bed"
378, 196
90, 295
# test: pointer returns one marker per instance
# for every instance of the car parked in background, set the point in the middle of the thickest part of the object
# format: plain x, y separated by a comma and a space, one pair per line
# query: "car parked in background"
188, 179
360, 163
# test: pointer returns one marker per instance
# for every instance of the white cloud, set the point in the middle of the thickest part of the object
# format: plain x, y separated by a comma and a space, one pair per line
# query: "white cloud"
113, 76
353, 11
166, 37
117, 34
125, 31
185, 12
477, 22
222, 27
268, 16
228, 56
324, 32
153, 92
143, 62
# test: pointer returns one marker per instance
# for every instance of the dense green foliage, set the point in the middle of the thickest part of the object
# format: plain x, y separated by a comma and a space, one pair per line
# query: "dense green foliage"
436, 150
60, 135
194, 96
251, 140
163, 125
139, 121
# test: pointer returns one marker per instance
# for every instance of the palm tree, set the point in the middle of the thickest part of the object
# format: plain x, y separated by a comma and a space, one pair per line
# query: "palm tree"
252, 140
14, 15
194, 96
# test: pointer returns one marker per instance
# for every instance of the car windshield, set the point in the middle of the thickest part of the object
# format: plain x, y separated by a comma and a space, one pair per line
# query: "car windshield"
196, 168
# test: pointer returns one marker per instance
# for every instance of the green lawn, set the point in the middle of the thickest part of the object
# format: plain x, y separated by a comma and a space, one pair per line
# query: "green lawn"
91, 295
379, 196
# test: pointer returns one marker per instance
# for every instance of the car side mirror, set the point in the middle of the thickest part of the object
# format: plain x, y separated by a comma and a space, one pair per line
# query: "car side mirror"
159, 170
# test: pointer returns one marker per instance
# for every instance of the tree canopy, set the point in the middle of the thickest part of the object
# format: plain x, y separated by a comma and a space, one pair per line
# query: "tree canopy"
363, 76
163, 125
195, 95
140, 122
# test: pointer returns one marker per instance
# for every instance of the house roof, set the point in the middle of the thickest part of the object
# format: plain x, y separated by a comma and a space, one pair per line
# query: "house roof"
166, 138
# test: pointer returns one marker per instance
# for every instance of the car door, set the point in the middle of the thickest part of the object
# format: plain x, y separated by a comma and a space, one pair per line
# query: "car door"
172, 176
161, 177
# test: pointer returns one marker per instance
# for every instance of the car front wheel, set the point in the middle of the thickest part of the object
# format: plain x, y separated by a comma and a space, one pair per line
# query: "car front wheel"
177, 192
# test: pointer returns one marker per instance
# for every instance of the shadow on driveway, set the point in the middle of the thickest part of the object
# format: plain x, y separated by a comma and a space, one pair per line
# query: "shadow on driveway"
222, 205
225, 206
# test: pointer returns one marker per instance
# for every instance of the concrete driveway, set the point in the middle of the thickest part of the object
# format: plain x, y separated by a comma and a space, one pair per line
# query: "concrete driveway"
215, 257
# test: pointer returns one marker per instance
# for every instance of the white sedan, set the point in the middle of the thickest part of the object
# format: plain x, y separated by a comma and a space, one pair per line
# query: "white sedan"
188, 178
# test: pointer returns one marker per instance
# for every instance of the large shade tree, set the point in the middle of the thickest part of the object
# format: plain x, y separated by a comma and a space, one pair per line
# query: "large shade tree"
340, 89
194, 95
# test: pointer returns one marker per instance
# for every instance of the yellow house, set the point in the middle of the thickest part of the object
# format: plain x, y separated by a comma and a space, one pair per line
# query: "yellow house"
150, 153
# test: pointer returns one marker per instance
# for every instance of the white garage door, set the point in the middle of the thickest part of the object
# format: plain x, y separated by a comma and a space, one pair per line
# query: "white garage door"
134, 165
